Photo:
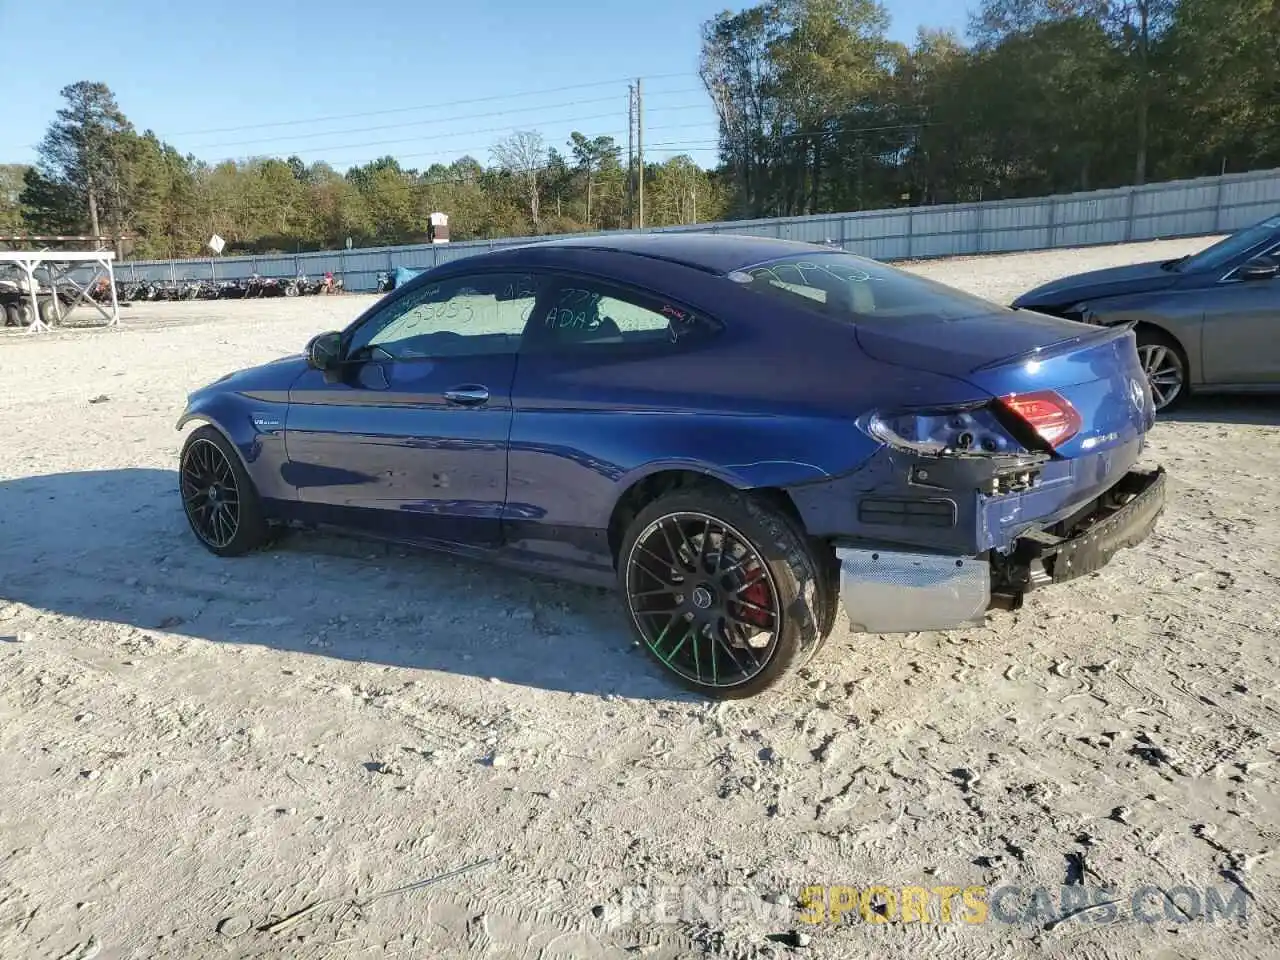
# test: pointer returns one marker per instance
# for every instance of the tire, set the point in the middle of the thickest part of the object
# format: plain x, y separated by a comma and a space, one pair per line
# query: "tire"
18, 314
1164, 362
47, 314
213, 484
291, 290
785, 580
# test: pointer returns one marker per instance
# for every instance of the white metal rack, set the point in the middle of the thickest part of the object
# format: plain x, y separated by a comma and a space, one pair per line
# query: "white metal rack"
58, 266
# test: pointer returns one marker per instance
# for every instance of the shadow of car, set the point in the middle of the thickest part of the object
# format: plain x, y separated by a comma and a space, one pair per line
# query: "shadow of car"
96, 545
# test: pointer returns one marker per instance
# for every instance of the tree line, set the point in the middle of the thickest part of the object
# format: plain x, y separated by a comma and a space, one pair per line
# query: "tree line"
97, 175
818, 112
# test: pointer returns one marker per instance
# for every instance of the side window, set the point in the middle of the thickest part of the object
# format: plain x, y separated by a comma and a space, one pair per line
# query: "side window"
463, 316
589, 314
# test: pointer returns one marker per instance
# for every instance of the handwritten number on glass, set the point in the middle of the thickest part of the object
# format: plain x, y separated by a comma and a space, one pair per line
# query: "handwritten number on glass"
577, 310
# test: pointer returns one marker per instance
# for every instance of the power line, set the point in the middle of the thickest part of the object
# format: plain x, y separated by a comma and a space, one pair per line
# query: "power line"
453, 154
428, 106
811, 134
338, 148
612, 115
389, 126
704, 145
438, 120
694, 145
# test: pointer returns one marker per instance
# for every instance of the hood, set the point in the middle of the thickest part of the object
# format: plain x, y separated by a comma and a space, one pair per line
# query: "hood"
276, 375
958, 347
1115, 281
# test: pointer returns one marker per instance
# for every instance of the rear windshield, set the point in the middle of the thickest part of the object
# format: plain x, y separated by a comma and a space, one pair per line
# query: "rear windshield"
851, 288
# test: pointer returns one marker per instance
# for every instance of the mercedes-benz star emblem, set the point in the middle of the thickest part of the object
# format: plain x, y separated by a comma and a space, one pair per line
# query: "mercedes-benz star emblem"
702, 598
1138, 394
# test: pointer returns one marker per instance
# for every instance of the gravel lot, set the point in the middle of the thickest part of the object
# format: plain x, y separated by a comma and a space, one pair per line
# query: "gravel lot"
194, 748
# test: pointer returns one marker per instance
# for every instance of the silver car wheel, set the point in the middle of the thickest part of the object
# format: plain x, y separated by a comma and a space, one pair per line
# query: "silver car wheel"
1163, 368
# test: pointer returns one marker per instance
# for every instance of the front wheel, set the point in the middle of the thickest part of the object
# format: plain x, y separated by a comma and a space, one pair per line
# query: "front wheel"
218, 496
723, 590
1166, 369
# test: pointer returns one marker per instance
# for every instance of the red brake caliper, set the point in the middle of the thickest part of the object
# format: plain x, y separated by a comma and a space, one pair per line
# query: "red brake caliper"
757, 594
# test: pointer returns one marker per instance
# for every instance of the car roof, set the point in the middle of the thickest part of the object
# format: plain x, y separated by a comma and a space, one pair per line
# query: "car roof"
716, 253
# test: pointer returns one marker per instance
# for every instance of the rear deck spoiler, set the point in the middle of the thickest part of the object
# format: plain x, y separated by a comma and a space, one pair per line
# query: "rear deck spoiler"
1094, 336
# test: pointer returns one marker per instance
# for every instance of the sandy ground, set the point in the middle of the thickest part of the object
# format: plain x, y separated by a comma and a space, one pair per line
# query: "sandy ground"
193, 749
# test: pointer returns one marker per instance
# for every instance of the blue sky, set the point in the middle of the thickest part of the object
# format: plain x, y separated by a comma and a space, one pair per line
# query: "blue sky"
344, 82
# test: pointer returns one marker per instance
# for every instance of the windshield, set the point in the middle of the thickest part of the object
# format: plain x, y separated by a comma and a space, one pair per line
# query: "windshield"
851, 288
1221, 254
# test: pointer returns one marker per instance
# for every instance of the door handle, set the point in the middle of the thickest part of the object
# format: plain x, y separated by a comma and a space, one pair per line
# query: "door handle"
469, 395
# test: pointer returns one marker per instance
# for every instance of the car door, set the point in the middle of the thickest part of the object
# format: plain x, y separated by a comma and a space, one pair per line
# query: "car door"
597, 364
1241, 331
407, 438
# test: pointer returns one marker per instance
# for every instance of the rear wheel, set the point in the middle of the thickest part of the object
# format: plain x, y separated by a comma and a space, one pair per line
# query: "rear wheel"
218, 496
47, 311
1166, 368
723, 590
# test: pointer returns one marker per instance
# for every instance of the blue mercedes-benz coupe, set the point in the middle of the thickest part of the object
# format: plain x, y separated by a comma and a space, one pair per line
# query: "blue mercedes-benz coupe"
738, 433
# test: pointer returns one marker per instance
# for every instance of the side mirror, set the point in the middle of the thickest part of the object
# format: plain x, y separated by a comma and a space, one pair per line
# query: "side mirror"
1259, 268
323, 350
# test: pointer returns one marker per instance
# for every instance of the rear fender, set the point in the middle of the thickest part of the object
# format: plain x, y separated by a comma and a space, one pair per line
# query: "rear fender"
745, 453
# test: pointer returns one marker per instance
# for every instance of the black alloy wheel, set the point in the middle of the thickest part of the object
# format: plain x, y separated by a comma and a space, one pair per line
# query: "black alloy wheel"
725, 592
210, 494
704, 599
218, 496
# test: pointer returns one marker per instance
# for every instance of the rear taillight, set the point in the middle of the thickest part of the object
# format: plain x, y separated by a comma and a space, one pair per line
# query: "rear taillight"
973, 430
1047, 413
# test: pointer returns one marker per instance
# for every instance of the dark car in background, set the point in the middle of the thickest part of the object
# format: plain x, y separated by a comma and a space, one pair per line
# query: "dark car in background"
1208, 322
734, 432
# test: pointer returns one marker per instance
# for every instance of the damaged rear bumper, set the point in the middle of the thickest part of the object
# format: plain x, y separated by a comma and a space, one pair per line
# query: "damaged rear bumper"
1123, 517
897, 591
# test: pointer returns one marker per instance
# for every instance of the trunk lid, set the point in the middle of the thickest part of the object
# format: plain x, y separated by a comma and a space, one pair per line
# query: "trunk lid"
1096, 369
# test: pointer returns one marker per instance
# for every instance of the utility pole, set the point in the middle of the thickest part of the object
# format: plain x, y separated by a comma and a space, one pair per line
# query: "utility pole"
640, 153
631, 156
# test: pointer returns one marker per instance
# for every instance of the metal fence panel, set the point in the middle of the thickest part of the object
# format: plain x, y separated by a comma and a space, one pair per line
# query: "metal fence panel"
1081, 220
879, 235
943, 231
1163, 210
